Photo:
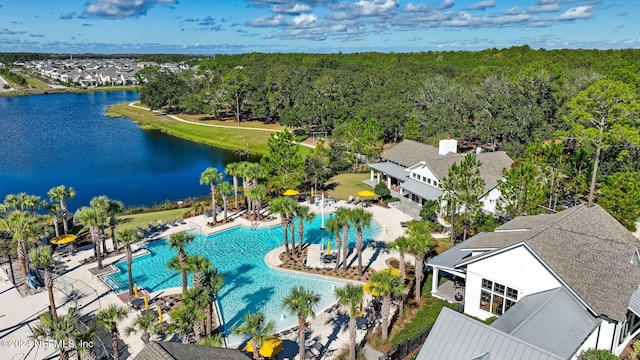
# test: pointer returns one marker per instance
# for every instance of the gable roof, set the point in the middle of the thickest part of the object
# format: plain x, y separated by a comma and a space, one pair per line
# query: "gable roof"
586, 247
409, 152
552, 320
456, 336
166, 350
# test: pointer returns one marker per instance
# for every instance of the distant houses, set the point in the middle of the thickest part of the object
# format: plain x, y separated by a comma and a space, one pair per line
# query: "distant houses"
559, 284
416, 170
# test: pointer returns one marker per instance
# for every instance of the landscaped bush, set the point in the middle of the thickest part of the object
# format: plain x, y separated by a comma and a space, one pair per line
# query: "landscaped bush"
390, 200
593, 354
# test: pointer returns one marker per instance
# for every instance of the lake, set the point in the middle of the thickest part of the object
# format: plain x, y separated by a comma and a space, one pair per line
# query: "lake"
49, 140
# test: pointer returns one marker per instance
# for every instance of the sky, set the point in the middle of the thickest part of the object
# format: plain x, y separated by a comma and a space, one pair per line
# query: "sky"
313, 26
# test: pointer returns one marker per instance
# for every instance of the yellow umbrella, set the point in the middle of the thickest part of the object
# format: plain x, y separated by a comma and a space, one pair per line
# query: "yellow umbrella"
63, 239
366, 193
135, 291
269, 348
311, 192
367, 286
291, 192
160, 314
146, 301
328, 247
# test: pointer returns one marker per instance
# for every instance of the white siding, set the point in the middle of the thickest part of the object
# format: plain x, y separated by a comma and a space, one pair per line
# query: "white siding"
607, 333
516, 268
490, 200
422, 173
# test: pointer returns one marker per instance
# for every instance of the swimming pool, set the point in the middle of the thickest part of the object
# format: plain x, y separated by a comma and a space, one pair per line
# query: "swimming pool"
250, 285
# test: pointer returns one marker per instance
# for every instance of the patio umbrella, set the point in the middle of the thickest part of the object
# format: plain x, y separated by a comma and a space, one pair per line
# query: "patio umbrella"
160, 315
269, 348
135, 291
328, 247
291, 192
366, 193
146, 301
367, 286
63, 239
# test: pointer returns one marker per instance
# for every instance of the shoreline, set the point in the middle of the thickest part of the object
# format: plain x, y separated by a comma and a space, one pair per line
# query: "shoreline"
66, 90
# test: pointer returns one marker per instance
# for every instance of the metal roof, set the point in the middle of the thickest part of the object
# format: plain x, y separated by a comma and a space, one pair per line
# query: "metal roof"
451, 257
423, 190
634, 304
552, 320
456, 336
392, 169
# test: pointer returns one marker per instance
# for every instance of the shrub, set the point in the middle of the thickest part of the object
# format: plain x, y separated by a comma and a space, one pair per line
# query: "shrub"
381, 190
429, 211
490, 320
593, 354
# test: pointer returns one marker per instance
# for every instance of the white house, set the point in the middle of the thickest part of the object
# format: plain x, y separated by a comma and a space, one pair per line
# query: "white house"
416, 170
562, 283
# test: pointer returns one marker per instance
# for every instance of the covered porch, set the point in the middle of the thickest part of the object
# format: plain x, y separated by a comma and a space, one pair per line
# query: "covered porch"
448, 279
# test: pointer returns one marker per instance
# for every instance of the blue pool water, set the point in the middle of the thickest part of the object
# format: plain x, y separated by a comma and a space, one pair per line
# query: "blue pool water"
250, 285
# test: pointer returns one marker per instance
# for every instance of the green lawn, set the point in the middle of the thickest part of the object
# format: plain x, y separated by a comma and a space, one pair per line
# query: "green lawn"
36, 84
348, 184
131, 221
235, 138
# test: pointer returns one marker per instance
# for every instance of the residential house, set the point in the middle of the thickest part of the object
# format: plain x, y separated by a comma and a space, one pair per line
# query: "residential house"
416, 170
560, 283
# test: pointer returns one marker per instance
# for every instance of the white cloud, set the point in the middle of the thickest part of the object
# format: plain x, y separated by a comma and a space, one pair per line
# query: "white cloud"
305, 20
544, 8
290, 8
579, 12
269, 21
481, 5
446, 4
512, 11
121, 9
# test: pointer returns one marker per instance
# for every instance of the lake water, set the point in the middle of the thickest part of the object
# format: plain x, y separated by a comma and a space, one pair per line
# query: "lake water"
49, 140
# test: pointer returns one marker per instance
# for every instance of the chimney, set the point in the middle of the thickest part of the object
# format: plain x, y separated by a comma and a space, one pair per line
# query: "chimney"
447, 146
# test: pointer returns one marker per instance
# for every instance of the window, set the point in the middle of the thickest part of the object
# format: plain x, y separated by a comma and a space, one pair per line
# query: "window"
496, 298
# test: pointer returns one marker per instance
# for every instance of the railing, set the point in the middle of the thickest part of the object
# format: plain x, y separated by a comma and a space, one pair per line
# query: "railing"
400, 351
194, 225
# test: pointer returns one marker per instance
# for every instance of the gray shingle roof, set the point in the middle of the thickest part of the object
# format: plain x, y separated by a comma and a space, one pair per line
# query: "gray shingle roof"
451, 257
409, 152
456, 336
552, 320
586, 247
166, 350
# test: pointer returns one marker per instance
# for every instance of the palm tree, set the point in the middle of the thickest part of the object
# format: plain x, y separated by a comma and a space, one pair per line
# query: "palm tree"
344, 215
179, 241
304, 215
183, 320
84, 342
102, 204
251, 172
33, 203
335, 227
209, 177
23, 228
350, 296
387, 285
284, 207
234, 169
255, 327
225, 189
60, 194
420, 242
126, 237
54, 210
94, 218
109, 318
114, 209
401, 245
301, 303
144, 325
213, 341
212, 282
61, 330
197, 299
41, 259
198, 264
360, 219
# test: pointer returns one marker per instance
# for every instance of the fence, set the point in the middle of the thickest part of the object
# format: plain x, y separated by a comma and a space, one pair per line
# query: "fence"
400, 351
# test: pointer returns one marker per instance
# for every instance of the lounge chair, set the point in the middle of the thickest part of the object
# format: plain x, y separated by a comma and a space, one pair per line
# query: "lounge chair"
181, 221
350, 199
171, 223
366, 203
161, 225
151, 227
356, 201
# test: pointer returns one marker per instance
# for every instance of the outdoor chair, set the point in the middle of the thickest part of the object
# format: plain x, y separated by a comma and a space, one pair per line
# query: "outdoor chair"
181, 221
350, 199
160, 224
151, 226
171, 223
356, 201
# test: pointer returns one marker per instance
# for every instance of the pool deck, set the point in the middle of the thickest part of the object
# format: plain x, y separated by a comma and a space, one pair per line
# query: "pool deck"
75, 281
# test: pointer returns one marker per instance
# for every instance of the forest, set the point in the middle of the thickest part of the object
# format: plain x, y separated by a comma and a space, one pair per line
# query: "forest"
565, 116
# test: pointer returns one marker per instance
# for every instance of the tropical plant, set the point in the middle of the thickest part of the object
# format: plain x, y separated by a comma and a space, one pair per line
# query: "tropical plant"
109, 318
401, 245
335, 227
284, 207
350, 296
254, 326
54, 210
387, 285
197, 299
60, 194
209, 177
198, 264
224, 188
84, 342
305, 215
301, 302
420, 242
212, 282
94, 218
143, 325
23, 228
360, 219
179, 241
257, 193
344, 215
211, 340
114, 209
41, 259
61, 330
234, 170
183, 320
126, 237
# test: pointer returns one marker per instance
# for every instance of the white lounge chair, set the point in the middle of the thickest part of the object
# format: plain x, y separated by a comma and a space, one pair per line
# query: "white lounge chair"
350, 199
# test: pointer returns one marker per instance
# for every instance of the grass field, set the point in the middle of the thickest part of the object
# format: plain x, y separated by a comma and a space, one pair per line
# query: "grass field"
36, 84
236, 138
348, 184
132, 221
